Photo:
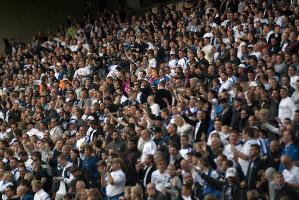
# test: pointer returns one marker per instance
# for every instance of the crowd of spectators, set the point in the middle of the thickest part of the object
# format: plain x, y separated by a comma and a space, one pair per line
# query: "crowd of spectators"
193, 103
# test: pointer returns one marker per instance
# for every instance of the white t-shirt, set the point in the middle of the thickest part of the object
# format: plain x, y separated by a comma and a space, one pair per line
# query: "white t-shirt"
149, 148
293, 80
36, 132
160, 179
119, 179
155, 109
286, 108
183, 63
153, 62
184, 152
41, 195
227, 150
85, 71
246, 150
292, 175
225, 85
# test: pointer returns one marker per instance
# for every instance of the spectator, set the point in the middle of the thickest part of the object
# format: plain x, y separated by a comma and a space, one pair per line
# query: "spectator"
153, 193
39, 192
282, 188
286, 105
290, 172
115, 180
255, 165
197, 86
22, 193
160, 177
89, 166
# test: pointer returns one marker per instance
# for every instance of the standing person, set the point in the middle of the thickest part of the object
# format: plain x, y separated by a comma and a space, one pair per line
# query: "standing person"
255, 165
160, 177
283, 189
286, 106
113, 179
206, 169
230, 187
244, 154
40, 194
89, 167
153, 193
131, 156
236, 115
23, 194
290, 148
149, 147
149, 168
290, 172
186, 193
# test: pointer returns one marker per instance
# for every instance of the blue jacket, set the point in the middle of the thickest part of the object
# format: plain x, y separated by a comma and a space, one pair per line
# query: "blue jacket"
27, 197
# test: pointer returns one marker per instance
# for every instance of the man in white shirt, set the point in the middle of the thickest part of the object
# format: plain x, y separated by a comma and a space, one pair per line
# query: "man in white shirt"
80, 137
160, 177
182, 60
83, 72
55, 131
149, 147
40, 194
233, 141
291, 172
24, 158
286, 106
292, 70
5, 182
114, 181
33, 131
155, 108
244, 154
208, 48
226, 84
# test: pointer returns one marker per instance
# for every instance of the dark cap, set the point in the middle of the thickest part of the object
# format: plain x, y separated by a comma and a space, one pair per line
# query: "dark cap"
159, 118
73, 122
197, 154
157, 130
238, 99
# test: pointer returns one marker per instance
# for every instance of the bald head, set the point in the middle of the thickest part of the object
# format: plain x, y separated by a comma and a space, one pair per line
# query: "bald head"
151, 190
21, 190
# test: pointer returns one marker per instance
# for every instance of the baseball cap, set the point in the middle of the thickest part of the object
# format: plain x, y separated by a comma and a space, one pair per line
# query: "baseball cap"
231, 172
91, 118
73, 121
238, 99
242, 66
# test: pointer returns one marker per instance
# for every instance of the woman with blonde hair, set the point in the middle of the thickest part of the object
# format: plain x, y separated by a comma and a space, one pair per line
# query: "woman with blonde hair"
81, 194
136, 193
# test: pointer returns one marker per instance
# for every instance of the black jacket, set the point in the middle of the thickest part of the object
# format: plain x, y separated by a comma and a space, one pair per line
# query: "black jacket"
252, 173
160, 95
226, 117
202, 128
146, 176
233, 191
286, 190
236, 115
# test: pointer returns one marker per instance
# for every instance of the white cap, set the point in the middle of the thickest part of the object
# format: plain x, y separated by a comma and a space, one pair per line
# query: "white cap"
91, 118
253, 84
242, 65
208, 35
231, 172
